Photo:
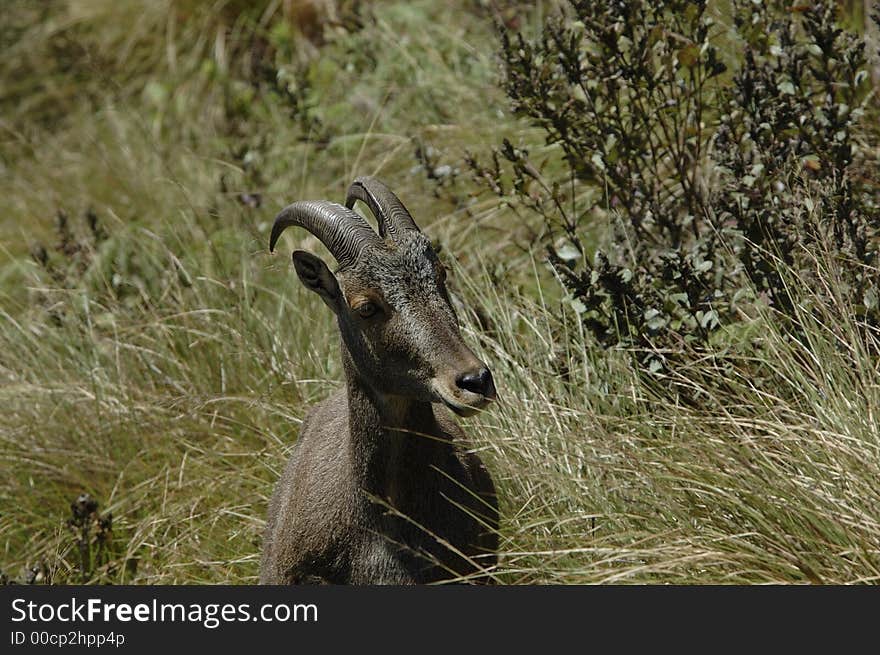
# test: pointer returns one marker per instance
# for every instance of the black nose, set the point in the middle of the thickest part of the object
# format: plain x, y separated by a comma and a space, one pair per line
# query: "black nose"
479, 381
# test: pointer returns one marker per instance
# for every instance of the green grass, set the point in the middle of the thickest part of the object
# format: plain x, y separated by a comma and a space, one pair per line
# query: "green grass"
166, 368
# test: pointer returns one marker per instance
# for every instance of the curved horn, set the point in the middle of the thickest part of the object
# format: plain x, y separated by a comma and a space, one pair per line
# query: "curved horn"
343, 231
390, 213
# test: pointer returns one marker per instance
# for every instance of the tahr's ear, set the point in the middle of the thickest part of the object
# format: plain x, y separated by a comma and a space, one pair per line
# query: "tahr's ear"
316, 276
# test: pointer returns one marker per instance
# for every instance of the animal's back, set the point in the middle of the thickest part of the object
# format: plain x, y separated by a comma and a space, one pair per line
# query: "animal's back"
309, 511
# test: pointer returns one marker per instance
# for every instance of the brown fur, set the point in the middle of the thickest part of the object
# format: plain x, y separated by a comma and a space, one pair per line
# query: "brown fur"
381, 487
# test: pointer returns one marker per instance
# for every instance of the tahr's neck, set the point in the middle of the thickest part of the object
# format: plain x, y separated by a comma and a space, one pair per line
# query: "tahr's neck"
390, 437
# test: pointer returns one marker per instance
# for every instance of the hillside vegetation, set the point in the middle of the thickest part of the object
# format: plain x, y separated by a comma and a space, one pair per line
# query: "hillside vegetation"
156, 357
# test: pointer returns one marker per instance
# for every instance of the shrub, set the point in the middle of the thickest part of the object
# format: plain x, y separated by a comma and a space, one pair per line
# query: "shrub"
716, 181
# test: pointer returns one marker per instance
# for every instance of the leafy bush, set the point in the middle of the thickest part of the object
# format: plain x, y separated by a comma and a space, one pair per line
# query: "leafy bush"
785, 143
716, 181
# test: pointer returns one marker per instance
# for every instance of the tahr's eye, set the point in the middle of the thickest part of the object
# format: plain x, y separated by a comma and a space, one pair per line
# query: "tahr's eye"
366, 309
441, 272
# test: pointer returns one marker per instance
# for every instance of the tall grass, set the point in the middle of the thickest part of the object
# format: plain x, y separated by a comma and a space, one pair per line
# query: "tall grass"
770, 478
165, 369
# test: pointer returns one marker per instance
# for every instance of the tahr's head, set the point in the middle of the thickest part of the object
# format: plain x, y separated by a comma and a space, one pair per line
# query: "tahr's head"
389, 297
